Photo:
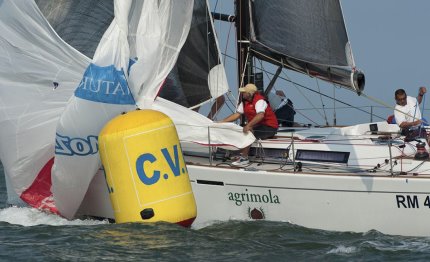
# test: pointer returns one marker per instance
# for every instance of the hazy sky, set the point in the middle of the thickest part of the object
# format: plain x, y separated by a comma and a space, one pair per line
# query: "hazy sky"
391, 44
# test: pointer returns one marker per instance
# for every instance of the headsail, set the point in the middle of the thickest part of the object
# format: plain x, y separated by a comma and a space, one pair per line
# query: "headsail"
307, 36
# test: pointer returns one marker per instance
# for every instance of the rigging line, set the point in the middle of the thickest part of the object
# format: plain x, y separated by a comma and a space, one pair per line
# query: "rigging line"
217, 104
208, 24
337, 100
261, 65
228, 94
244, 68
218, 51
267, 75
300, 113
229, 99
323, 106
422, 114
340, 107
298, 89
216, 4
236, 38
226, 43
371, 98
270, 58
331, 108
334, 105
229, 108
301, 92
416, 106
239, 53
274, 60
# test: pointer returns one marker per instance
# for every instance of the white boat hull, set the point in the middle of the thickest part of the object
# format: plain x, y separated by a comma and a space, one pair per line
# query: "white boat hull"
392, 205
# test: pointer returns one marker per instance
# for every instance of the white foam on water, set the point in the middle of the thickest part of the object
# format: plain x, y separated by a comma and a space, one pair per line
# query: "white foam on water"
28, 217
200, 225
416, 244
342, 250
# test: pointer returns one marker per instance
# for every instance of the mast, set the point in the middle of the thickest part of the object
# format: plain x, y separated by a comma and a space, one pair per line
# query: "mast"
245, 60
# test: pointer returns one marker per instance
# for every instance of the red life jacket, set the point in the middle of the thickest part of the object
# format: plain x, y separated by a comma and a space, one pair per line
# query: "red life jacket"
269, 116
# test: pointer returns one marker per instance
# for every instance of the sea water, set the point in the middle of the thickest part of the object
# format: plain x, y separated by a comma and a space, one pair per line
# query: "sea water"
30, 235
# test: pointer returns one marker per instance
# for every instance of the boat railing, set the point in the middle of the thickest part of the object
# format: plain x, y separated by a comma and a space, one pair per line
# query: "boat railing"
287, 155
342, 114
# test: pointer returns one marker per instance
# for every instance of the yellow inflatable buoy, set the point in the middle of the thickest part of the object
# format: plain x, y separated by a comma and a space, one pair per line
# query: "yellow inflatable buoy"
145, 170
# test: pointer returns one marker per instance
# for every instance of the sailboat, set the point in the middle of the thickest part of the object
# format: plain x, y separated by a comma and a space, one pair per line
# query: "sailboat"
356, 178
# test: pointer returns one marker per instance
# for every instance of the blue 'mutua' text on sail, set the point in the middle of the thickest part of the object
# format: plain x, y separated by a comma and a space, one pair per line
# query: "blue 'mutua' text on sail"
104, 85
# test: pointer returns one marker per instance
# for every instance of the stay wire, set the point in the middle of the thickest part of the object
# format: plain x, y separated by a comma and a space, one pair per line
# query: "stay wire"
322, 103
334, 105
270, 58
335, 99
300, 113
422, 112
314, 91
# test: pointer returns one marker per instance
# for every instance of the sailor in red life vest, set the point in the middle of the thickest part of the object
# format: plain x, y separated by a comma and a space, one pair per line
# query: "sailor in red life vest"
261, 120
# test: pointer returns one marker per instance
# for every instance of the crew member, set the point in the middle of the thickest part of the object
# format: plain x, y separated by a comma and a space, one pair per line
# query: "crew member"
407, 112
261, 120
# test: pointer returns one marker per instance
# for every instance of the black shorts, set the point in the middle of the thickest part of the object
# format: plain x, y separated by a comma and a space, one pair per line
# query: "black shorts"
413, 133
264, 132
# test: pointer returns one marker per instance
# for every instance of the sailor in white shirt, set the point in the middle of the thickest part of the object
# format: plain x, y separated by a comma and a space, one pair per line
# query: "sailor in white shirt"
408, 113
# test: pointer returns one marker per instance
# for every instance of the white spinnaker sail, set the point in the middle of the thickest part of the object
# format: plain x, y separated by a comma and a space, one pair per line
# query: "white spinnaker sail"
38, 73
104, 92
160, 35
194, 127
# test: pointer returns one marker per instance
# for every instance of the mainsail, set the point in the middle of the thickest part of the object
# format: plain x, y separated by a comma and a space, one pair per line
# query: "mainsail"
307, 36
